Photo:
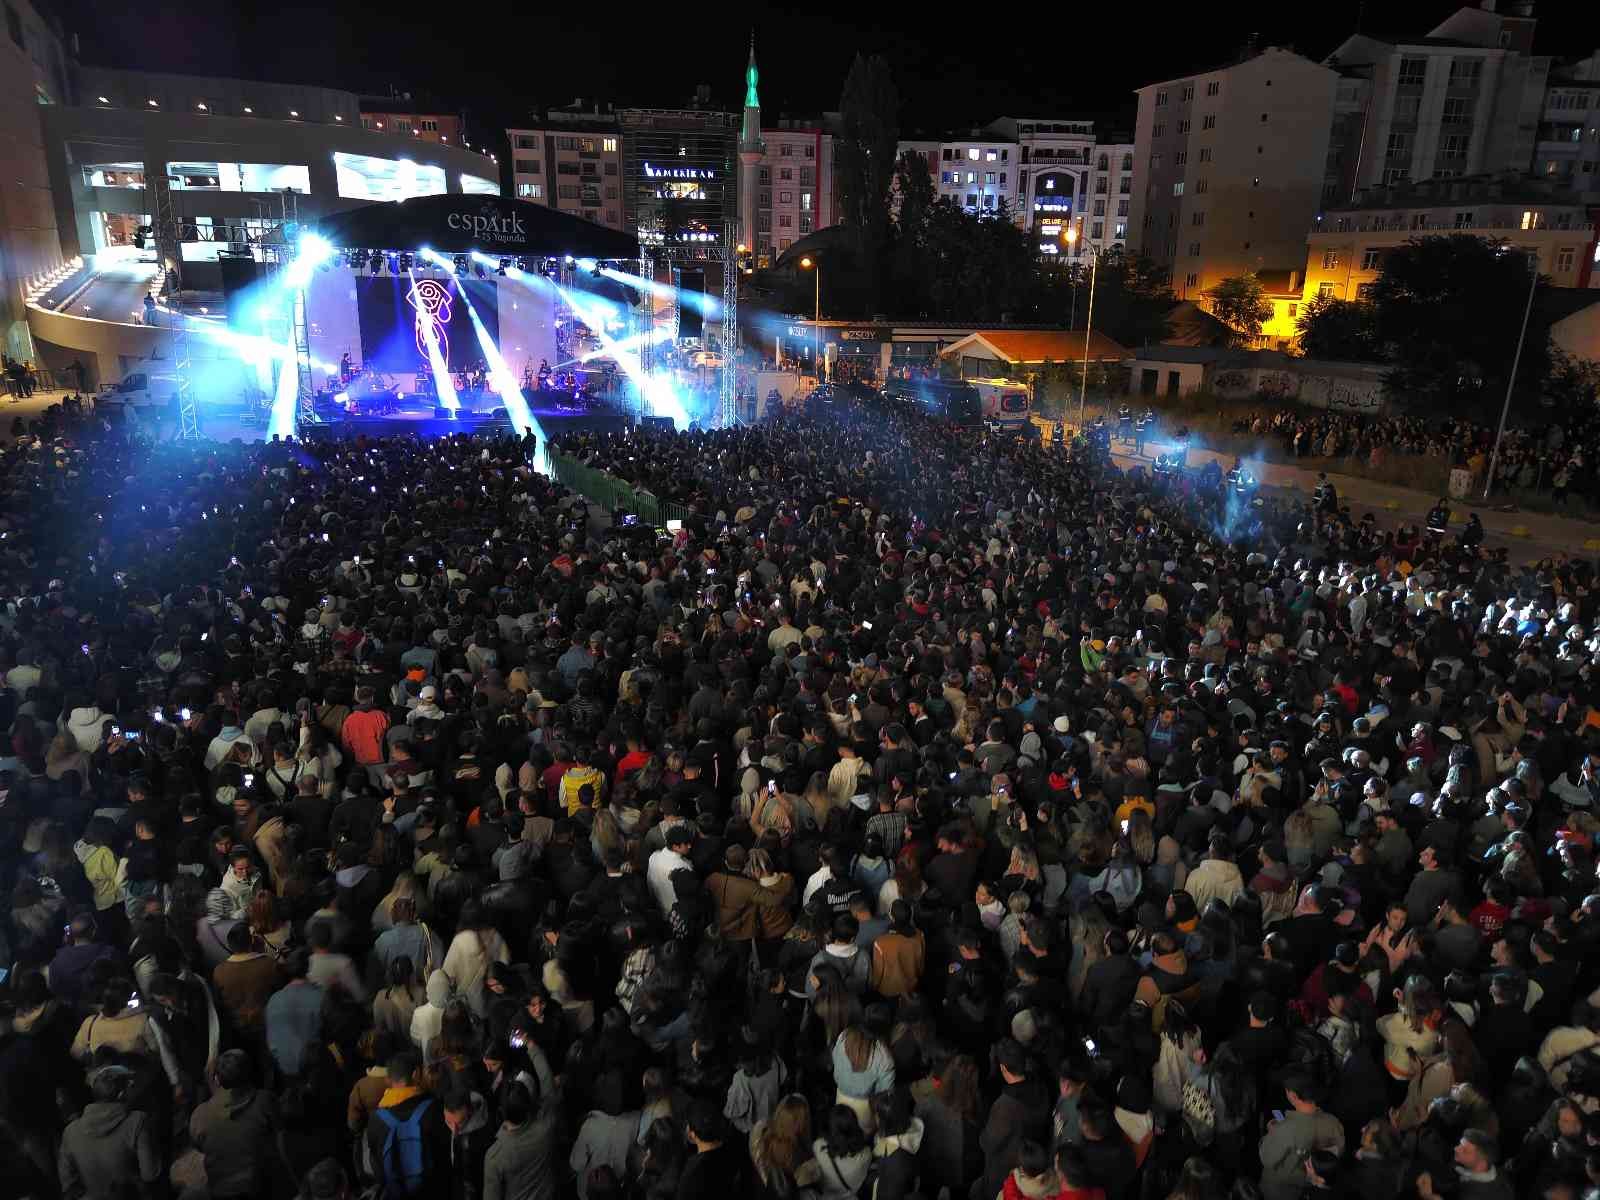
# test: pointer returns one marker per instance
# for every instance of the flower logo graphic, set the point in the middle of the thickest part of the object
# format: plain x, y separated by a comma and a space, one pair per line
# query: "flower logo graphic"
432, 301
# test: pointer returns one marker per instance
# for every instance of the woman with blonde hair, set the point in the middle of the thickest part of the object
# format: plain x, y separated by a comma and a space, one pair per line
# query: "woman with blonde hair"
1141, 837
65, 755
408, 886
772, 920
780, 1149
905, 884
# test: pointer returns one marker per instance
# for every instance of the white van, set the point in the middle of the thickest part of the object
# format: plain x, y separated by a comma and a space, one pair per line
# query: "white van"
1004, 402
140, 391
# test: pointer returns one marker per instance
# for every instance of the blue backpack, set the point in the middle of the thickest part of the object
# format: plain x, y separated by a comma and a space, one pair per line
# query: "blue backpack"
403, 1167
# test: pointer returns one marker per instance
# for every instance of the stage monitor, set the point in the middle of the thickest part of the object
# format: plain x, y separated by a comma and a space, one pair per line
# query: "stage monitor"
394, 309
690, 324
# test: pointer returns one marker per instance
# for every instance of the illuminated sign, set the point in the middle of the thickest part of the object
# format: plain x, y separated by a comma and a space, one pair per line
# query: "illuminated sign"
431, 299
861, 335
489, 226
651, 172
684, 190
1050, 228
1064, 206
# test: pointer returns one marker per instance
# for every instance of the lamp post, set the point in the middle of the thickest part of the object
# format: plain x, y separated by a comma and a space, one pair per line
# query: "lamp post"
1094, 265
1516, 360
815, 267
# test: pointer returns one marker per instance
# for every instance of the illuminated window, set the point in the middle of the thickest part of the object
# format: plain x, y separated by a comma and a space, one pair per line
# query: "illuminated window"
477, 185
972, 153
1564, 259
1371, 258
1330, 260
609, 145
365, 177
530, 191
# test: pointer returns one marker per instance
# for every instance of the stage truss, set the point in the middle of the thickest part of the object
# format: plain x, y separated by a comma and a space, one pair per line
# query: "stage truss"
729, 383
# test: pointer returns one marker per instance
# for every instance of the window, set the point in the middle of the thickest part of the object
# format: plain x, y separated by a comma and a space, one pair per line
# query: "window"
1002, 179
401, 125
1209, 122
1194, 249
786, 173
611, 191
1530, 219
1453, 145
1371, 258
590, 170
1464, 220
786, 151
946, 176
1293, 311
566, 168
1155, 165
1214, 87
805, 201
1205, 154
1121, 230
1181, 158
1192, 280
785, 197
1330, 260
1364, 291
1413, 71
1325, 289
988, 156
1159, 131
529, 191
948, 154
807, 176
524, 142
1105, 163
527, 166
1200, 187
1127, 162
972, 154
1405, 109
1183, 126
972, 177
785, 221
609, 145
1198, 218
1394, 175
972, 199
764, 222
1161, 98
1399, 144
1457, 110
1188, 93
568, 191
1564, 259
811, 151
428, 125
988, 201
1464, 72
1097, 230
805, 222
1100, 207
764, 175
611, 168
1122, 208
988, 178
764, 199
1419, 220
1177, 190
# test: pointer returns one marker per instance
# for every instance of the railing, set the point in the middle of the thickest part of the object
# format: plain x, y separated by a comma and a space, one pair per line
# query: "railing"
609, 492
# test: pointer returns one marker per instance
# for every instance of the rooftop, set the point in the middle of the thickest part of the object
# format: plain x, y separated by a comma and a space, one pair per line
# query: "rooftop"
1508, 188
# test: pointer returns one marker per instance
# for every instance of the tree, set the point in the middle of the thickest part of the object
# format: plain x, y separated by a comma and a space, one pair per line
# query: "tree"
1448, 312
1339, 329
1241, 304
864, 156
914, 198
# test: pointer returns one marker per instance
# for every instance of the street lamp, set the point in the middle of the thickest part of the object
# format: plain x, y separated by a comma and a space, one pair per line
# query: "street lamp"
1516, 361
1094, 265
816, 319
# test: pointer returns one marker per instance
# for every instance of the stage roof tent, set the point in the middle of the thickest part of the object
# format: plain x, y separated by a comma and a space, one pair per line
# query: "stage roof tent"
459, 224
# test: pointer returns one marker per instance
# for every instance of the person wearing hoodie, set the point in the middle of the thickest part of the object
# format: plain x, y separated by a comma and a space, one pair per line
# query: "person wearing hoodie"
520, 1165
402, 1100
897, 1145
330, 969
94, 850
242, 880
1217, 877
466, 1116
222, 746
236, 1132
843, 1155
603, 1140
363, 730
86, 723
756, 1087
110, 1152
427, 1019
475, 946
1035, 1176
842, 953
408, 938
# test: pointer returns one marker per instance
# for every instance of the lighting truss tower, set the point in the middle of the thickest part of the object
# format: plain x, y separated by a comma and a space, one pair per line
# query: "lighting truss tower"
168, 247
306, 405
730, 325
182, 363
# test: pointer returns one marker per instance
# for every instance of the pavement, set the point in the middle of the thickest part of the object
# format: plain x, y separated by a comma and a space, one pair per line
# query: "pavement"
1526, 535
114, 295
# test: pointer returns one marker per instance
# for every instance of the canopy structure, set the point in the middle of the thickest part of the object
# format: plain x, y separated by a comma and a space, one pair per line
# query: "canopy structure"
460, 224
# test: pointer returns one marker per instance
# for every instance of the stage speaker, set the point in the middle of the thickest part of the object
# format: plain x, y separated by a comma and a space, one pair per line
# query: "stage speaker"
662, 423
690, 324
440, 410
239, 274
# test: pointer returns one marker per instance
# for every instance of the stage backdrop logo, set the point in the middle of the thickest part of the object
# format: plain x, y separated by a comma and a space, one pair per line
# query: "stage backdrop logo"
489, 224
431, 299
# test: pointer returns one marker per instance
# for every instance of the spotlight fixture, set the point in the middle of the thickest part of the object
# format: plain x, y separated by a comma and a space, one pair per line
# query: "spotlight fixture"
505, 265
358, 259
405, 263
478, 267
375, 262
461, 264
522, 264
392, 264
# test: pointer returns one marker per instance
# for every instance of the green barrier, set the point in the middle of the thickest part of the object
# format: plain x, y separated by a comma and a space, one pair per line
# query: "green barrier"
609, 492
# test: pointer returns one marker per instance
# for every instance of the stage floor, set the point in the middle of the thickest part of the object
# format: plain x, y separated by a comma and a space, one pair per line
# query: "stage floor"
421, 422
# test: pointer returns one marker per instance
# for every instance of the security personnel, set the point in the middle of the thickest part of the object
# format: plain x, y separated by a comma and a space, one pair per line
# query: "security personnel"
1141, 430
1472, 535
1438, 519
1326, 496
1125, 423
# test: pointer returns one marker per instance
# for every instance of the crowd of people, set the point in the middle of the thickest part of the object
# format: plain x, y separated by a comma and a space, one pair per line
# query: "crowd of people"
1553, 458
925, 814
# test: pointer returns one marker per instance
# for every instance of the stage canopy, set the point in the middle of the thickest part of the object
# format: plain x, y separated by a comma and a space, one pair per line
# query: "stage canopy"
461, 224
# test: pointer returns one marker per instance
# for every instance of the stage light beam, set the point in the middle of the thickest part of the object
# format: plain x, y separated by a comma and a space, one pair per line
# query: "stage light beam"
506, 384
444, 386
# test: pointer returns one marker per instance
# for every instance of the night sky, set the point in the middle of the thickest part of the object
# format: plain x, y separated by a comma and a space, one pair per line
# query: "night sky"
501, 61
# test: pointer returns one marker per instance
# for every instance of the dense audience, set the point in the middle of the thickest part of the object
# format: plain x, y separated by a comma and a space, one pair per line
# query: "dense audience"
923, 815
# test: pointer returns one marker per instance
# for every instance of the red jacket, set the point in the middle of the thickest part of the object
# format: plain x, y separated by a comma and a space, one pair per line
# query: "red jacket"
362, 735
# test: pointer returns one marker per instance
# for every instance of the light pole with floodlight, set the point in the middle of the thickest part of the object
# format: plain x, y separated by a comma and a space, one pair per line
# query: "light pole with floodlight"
1072, 236
815, 267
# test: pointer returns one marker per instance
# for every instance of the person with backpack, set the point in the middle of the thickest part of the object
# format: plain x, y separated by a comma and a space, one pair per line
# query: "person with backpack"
407, 1140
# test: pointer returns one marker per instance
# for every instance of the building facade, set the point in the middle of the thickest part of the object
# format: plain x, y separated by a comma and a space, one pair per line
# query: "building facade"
1568, 149
1055, 160
572, 161
1463, 99
793, 186
679, 178
1346, 247
34, 77
425, 120
1230, 166
980, 174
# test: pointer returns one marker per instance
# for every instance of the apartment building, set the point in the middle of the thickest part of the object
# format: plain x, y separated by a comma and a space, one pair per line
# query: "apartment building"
416, 117
1230, 166
1568, 148
1347, 245
571, 160
792, 183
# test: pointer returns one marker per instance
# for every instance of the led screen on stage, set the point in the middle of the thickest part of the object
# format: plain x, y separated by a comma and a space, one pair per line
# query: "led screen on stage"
396, 312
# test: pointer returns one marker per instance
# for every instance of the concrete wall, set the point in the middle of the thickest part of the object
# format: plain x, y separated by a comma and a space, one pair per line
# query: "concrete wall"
1342, 387
1579, 334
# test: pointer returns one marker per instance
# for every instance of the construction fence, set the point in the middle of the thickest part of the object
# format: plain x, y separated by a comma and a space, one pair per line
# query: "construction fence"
610, 493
